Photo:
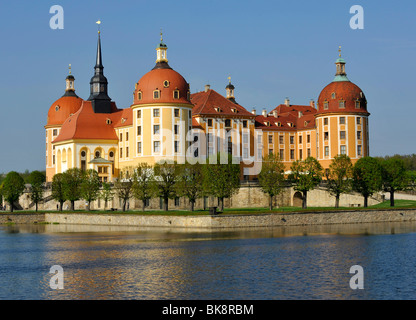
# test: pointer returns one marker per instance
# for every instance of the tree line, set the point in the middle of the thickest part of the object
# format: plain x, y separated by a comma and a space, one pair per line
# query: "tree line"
166, 180
367, 176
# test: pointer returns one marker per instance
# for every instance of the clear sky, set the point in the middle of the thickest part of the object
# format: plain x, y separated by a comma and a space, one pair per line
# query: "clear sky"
271, 50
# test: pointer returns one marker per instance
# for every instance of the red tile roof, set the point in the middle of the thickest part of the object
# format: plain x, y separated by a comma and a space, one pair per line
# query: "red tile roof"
85, 124
62, 108
212, 103
346, 91
291, 118
154, 80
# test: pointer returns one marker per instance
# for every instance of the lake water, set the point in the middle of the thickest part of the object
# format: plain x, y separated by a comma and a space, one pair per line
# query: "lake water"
155, 264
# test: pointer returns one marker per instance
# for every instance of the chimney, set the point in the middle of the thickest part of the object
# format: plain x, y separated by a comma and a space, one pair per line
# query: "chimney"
207, 87
253, 111
312, 103
275, 113
264, 113
287, 102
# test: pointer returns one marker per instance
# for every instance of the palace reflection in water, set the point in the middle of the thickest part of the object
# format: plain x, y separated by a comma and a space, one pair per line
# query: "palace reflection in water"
269, 263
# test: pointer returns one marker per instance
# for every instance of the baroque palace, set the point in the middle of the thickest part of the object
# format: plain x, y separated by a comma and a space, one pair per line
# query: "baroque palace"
167, 122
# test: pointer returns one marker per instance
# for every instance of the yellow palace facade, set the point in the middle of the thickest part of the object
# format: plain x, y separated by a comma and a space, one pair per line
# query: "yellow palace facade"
167, 122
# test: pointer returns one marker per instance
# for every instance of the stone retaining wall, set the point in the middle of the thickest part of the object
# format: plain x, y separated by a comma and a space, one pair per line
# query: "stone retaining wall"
21, 218
218, 221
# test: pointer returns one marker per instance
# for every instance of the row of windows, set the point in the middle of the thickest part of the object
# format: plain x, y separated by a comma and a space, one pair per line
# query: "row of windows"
342, 120
157, 94
291, 153
343, 150
342, 135
291, 139
156, 113
227, 123
156, 148
341, 104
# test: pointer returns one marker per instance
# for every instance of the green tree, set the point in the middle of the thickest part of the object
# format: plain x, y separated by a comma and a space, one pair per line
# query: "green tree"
36, 180
143, 187
123, 187
339, 177
222, 179
306, 175
13, 187
166, 176
394, 175
58, 189
72, 180
367, 177
271, 177
90, 187
190, 182
106, 193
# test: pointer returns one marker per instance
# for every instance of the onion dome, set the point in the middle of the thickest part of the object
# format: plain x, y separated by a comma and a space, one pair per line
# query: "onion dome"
162, 84
68, 104
230, 91
341, 95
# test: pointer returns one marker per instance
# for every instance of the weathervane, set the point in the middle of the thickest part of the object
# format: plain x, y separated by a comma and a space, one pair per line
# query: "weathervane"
98, 22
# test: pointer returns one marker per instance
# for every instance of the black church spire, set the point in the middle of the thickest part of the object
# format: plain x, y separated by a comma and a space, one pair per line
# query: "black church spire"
101, 102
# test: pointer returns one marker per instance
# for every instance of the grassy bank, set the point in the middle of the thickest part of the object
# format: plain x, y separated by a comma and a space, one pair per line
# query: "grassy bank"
399, 204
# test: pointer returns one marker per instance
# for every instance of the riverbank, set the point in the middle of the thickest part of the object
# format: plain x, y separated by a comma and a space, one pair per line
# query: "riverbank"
216, 221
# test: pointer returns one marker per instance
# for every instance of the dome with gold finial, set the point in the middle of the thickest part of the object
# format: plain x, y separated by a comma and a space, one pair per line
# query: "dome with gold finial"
162, 84
68, 104
341, 95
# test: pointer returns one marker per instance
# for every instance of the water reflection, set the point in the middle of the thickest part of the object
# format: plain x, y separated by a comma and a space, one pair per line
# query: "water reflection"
304, 262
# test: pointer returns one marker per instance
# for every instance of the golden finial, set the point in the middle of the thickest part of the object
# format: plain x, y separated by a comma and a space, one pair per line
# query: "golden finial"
98, 22
339, 50
69, 68
161, 35
229, 79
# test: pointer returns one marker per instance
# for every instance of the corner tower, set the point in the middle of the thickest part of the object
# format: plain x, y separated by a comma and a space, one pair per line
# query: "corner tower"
341, 119
58, 112
162, 113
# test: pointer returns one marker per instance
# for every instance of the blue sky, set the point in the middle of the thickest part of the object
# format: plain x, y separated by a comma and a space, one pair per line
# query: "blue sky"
271, 50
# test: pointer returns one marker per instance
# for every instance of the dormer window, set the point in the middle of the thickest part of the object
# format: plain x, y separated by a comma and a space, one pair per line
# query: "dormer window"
108, 121
234, 110
279, 124
267, 123
325, 105
218, 109
342, 104
176, 94
333, 95
357, 104
139, 95
57, 108
166, 84
156, 94
290, 124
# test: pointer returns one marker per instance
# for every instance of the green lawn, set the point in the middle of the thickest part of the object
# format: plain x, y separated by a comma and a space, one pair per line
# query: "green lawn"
385, 205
